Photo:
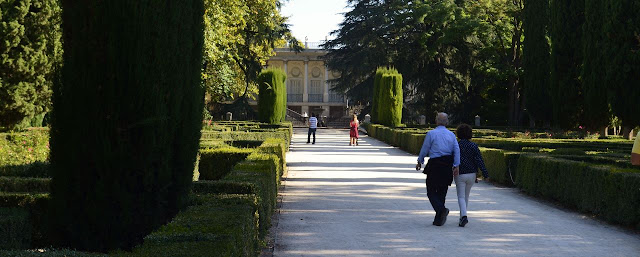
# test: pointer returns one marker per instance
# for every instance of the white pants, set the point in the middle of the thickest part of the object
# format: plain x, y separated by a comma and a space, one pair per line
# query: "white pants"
464, 182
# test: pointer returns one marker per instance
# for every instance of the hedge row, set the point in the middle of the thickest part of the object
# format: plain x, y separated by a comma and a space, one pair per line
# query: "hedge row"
216, 163
19, 152
609, 192
35, 222
20, 184
408, 140
249, 136
501, 165
214, 225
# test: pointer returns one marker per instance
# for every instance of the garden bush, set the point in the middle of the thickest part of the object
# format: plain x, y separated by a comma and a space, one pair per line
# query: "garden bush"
19, 184
501, 165
24, 153
272, 96
254, 136
609, 192
277, 147
126, 119
15, 228
49, 253
217, 163
391, 101
214, 225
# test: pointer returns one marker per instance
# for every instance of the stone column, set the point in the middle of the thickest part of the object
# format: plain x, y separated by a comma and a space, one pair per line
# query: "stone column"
305, 84
325, 97
285, 67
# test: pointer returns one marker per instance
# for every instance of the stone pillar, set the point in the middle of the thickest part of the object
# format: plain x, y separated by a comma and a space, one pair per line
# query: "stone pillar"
478, 121
305, 84
367, 118
229, 116
325, 97
285, 67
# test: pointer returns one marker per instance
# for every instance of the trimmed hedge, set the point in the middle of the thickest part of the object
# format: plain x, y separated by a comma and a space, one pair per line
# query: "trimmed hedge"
49, 253
501, 165
37, 206
277, 147
220, 225
217, 163
254, 136
15, 228
24, 153
272, 96
19, 184
608, 192
391, 101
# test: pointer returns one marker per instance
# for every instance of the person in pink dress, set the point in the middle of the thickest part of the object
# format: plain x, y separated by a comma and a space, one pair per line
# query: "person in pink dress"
353, 131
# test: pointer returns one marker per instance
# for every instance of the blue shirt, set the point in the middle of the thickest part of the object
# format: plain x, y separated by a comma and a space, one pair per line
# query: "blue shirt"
440, 142
313, 122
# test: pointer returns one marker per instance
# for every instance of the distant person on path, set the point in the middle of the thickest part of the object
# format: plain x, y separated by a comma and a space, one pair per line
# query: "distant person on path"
470, 162
442, 148
635, 153
313, 125
353, 131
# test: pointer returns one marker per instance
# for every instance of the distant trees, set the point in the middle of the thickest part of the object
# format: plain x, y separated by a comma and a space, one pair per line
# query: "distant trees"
30, 55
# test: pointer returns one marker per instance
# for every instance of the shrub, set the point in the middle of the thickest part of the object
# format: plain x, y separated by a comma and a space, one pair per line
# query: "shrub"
24, 153
126, 120
49, 253
37, 206
15, 228
277, 147
272, 96
18, 184
223, 187
568, 151
221, 225
212, 144
608, 192
501, 165
254, 136
31, 55
262, 175
391, 101
217, 163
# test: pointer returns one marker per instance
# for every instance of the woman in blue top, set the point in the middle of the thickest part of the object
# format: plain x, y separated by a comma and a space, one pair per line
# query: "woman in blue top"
470, 162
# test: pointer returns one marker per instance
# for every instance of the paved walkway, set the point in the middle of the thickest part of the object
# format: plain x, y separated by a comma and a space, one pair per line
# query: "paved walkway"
370, 201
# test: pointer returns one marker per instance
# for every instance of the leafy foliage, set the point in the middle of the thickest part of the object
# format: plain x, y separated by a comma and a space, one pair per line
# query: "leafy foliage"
272, 102
536, 62
30, 54
126, 119
567, 18
239, 39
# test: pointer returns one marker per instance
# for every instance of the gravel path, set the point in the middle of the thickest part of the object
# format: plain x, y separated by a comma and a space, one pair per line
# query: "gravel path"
370, 201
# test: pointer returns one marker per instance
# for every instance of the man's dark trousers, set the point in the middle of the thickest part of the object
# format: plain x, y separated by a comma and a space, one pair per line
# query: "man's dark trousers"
311, 130
439, 177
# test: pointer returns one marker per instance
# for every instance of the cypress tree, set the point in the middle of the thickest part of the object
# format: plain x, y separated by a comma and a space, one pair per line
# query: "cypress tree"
126, 119
596, 107
376, 94
567, 18
536, 54
623, 59
30, 55
392, 99
272, 93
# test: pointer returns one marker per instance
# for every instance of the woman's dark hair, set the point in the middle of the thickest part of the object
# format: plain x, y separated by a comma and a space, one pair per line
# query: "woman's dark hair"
464, 131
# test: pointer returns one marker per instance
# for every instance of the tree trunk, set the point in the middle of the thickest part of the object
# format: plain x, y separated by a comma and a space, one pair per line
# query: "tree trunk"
627, 133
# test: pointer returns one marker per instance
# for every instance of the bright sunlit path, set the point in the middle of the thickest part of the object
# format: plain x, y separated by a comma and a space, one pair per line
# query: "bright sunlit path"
369, 200
314, 19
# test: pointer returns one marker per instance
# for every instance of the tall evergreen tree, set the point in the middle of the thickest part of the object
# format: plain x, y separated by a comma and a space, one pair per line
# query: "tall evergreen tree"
30, 54
567, 19
623, 59
126, 119
536, 54
596, 107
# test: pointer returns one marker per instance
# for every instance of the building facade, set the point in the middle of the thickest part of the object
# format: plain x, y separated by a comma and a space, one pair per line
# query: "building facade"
308, 89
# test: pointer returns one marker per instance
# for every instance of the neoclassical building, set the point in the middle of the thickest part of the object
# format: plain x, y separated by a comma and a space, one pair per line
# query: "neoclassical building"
308, 90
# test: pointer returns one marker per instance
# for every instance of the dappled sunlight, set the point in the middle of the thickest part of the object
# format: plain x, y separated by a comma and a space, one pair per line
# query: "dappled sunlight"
369, 200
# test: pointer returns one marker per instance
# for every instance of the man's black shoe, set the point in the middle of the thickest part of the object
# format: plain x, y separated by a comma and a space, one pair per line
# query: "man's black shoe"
436, 220
443, 219
463, 221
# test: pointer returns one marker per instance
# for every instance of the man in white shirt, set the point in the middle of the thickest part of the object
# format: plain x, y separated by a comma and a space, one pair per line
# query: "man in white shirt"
313, 125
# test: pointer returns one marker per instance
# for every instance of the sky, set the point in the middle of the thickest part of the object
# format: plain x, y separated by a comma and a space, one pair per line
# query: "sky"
314, 19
